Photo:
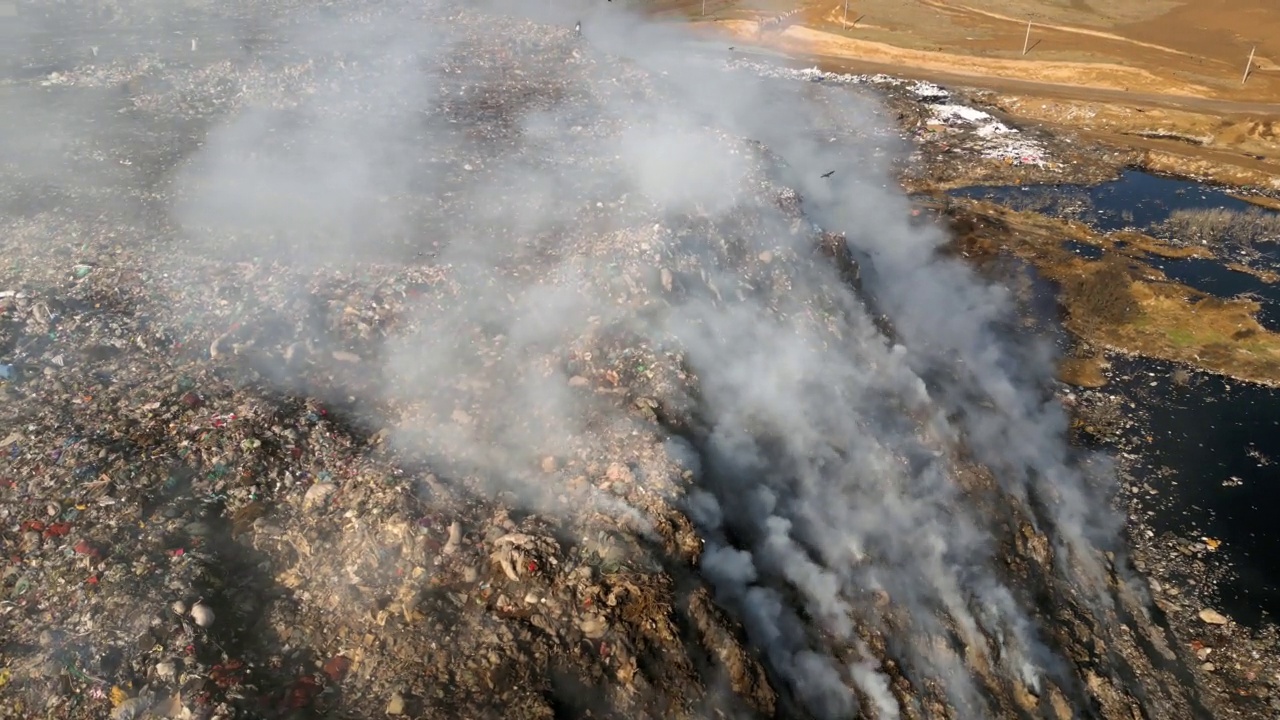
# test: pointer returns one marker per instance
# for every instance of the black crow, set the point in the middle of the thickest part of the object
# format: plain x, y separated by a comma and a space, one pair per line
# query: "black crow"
829, 173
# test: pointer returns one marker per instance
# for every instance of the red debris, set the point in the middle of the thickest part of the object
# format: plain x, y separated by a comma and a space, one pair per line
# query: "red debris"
227, 675
302, 693
57, 530
337, 667
533, 566
84, 548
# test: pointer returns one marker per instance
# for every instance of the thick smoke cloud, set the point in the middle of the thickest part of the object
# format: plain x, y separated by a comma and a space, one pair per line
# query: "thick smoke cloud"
826, 455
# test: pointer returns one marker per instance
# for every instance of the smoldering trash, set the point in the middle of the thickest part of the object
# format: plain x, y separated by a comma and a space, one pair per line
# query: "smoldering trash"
433, 360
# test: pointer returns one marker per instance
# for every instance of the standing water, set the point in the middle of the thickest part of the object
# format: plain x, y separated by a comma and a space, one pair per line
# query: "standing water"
1149, 203
1137, 200
1209, 474
1214, 463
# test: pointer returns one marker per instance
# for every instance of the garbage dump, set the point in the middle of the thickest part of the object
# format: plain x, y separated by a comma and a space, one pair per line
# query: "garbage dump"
423, 360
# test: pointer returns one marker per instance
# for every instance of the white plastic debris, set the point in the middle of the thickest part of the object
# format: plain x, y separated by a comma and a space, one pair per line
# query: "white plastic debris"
808, 74
962, 113
202, 614
996, 140
927, 91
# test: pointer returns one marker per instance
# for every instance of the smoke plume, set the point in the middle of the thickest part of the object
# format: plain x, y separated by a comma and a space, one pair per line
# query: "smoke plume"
624, 184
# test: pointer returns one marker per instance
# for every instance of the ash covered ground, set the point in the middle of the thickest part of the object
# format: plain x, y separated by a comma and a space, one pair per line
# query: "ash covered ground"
433, 361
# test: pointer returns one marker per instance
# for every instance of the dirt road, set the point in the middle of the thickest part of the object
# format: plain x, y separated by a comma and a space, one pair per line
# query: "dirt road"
1167, 74
1174, 46
1063, 91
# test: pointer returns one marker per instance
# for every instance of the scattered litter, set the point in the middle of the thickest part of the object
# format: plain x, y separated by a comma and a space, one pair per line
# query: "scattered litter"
927, 91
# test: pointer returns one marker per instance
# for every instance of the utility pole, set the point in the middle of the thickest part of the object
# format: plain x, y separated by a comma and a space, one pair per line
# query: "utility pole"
845, 20
704, 8
1248, 66
1026, 42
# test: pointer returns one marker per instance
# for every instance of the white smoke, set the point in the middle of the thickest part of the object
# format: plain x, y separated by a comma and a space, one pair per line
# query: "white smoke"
828, 473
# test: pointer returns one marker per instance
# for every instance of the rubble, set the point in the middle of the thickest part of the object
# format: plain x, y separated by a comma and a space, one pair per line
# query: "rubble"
1213, 617
172, 521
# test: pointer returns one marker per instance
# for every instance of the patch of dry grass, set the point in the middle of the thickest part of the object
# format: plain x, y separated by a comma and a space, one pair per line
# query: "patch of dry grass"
1101, 293
1219, 225
1180, 324
1085, 372
1259, 200
1138, 244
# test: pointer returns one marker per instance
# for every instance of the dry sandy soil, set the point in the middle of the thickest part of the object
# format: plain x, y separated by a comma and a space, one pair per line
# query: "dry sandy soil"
1162, 75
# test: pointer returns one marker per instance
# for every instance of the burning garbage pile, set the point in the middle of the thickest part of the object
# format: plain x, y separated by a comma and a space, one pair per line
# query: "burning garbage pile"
471, 370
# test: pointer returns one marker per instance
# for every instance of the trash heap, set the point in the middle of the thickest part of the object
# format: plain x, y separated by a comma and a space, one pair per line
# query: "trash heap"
994, 139
250, 470
215, 502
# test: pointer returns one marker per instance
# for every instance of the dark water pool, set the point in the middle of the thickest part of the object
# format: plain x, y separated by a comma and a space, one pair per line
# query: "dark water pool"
1136, 200
1220, 440
1215, 278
